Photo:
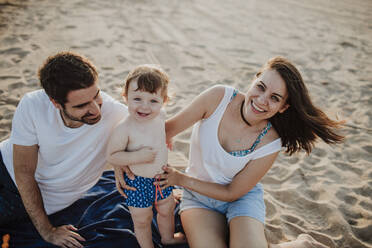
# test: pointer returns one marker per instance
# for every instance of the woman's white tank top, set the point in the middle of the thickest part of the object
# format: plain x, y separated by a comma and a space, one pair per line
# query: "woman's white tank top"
208, 159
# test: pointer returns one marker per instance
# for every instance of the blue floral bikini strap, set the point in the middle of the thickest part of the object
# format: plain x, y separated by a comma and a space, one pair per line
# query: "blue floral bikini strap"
263, 132
234, 94
243, 153
257, 141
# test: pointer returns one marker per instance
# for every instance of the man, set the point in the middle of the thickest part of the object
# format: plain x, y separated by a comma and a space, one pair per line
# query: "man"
56, 150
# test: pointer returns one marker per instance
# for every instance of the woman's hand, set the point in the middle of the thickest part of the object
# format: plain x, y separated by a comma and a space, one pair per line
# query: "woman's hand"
170, 177
119, 179
169, 143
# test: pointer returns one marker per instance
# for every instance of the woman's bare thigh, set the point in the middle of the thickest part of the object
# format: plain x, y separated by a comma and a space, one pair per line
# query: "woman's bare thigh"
204, 228
247, 232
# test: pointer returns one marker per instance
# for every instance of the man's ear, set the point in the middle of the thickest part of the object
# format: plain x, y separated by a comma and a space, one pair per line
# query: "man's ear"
56, 104
284, 108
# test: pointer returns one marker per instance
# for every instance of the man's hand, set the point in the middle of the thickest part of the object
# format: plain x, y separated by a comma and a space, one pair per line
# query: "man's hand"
64, 236
119, 179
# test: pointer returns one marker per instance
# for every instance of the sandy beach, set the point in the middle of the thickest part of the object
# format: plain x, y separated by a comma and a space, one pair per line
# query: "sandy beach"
202, 43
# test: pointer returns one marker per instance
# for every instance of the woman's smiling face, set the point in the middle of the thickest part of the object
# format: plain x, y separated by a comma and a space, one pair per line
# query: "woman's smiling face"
267, 96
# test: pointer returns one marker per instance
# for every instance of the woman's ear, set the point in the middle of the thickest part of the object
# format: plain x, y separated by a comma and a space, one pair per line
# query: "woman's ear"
284, 108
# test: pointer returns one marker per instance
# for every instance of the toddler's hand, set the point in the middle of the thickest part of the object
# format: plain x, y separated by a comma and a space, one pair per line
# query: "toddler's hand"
147, 154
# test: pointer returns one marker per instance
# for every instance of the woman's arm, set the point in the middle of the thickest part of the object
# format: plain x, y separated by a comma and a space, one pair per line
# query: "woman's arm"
241, 184
200, 108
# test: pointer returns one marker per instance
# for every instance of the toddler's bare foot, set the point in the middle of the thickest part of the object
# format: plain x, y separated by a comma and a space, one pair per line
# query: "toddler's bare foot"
302, 241
178, 238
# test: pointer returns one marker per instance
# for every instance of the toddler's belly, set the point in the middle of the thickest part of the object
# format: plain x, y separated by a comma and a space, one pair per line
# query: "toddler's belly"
146, 170
152, 169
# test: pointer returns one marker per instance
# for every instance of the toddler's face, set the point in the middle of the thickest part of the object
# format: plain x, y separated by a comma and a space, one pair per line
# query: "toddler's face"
142, 105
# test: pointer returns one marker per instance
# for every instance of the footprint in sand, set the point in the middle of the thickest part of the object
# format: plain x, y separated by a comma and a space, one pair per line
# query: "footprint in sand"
364, 190
366, 205
363, 232
270, 209
28, 73
367, 148
193, 68
9, 77
311, 160
345, 44
349, 213
319, 152
15, 51
121, 59
345, 195
12, 100
16, 86
35, 47
25, 37
344, 166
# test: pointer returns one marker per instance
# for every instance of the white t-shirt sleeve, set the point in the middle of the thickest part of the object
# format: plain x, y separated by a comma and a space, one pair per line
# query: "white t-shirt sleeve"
114, 109
23, 126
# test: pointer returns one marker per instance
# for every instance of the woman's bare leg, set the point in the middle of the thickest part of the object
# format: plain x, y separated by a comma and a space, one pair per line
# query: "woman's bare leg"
204, 228
247, 232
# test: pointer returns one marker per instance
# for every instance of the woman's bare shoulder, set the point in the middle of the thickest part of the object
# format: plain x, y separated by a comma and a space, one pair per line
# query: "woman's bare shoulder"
212, 98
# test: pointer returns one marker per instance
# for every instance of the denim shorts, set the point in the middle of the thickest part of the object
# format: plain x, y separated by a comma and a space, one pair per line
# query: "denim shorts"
251, 204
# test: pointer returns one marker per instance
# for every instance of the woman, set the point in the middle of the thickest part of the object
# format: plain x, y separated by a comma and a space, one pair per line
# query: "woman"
235, 140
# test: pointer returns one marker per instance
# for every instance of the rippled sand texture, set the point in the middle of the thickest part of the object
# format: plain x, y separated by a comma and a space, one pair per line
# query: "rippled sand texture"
202, 43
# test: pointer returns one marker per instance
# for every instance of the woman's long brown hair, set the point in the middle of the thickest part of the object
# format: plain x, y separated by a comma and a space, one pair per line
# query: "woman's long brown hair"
301, 124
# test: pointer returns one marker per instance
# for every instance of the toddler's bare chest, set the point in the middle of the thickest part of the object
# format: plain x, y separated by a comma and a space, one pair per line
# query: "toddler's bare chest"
152, 136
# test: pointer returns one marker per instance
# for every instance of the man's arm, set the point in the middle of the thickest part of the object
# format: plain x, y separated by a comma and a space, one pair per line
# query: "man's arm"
25, 161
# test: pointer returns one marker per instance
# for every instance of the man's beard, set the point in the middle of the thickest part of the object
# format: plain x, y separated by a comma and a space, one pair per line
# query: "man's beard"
84, 119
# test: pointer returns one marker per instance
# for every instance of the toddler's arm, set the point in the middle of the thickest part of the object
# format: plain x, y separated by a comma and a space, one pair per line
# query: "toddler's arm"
116, 150
141, 156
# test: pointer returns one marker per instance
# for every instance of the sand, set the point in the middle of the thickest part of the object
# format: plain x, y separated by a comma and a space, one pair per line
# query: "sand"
203, 43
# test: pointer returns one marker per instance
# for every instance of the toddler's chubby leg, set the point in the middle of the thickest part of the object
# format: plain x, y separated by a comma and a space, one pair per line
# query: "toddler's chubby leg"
165, 218
142, 218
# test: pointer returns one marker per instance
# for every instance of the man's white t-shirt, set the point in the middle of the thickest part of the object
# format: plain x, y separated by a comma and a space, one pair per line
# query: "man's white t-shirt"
70, 160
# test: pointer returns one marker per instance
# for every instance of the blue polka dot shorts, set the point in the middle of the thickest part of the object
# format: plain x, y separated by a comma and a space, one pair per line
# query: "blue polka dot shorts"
145, 194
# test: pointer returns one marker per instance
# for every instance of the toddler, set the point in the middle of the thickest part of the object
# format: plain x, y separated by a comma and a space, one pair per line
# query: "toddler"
140, 142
